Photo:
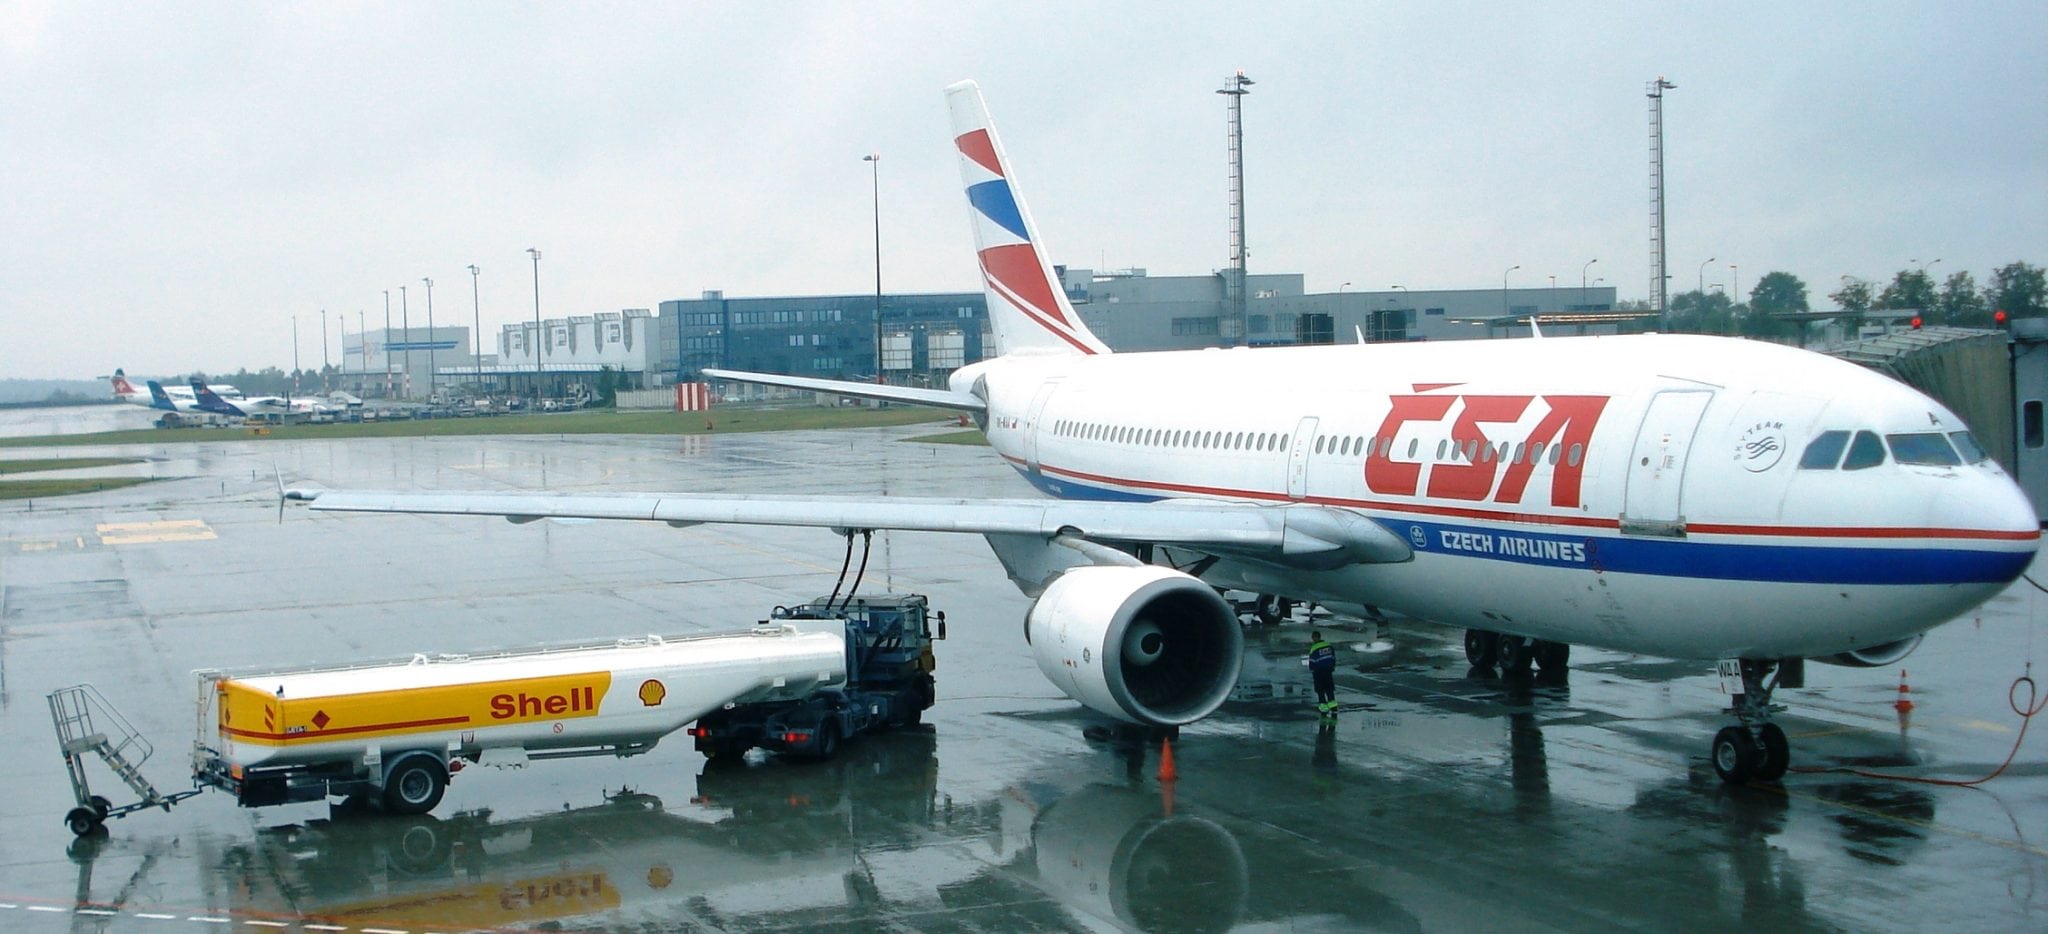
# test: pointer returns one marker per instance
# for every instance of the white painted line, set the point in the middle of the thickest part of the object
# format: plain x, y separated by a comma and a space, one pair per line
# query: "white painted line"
156, 917
8, 905
267, 924
385, 931
95, 911
43, 908
209, 920
323, 927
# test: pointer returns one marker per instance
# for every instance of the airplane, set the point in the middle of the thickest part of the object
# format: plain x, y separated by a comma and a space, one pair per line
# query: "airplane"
161, 398
210, 401
1683, 496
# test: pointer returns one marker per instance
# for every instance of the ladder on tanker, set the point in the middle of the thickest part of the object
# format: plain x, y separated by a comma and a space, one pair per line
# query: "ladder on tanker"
88, 725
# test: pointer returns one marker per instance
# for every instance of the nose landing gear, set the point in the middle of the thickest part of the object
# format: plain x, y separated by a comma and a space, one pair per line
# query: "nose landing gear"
1756, 749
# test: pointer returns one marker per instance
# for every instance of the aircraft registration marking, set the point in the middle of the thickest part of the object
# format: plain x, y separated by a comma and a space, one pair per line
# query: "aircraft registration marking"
149, 533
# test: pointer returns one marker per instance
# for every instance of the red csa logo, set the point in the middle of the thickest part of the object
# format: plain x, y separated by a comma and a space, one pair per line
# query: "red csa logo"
1567, 424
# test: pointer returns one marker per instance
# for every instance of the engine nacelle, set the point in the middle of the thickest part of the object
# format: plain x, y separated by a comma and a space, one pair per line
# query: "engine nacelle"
1876, 656
1147, 645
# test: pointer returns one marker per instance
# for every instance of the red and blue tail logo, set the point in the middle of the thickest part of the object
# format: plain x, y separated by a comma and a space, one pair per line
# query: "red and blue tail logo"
1026, 305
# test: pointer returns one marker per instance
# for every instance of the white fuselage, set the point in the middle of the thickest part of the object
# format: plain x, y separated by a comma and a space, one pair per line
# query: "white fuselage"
1643, 493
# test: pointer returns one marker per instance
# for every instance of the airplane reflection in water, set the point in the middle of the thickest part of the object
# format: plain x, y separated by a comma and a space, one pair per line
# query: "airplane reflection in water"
874, 837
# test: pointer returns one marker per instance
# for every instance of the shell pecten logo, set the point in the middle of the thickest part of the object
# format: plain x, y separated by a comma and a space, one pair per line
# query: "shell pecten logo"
652, 693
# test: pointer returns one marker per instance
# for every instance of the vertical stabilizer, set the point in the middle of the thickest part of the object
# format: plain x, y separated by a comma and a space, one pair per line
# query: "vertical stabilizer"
123, 389
1026, 305
159, 399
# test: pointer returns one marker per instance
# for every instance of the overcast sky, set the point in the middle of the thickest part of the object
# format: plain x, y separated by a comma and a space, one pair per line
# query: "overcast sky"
178, 180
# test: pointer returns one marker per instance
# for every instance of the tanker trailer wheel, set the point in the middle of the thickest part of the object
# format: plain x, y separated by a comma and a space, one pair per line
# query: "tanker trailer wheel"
82, 821
414, 785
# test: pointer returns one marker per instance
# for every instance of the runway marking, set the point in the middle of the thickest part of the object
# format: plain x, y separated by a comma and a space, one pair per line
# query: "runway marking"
147, 533
155, 917
44, 908
1985, 725
324, 927
209, 920
95, 911
267, 924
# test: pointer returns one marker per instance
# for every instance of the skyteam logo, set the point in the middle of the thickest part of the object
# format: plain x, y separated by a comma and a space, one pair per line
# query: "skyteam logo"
1762, 446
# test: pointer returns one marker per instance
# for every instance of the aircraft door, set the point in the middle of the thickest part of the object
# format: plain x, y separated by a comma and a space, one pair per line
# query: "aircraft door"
1031, 422
1656, 469
1297, 458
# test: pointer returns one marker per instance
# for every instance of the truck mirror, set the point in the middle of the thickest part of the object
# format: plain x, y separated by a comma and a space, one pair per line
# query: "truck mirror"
942, 624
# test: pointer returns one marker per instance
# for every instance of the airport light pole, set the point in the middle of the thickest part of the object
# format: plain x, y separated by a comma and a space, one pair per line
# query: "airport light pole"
295, 354
1703, 276
1582, 281
536, 322
476, 327
323, 350
874, 161
384, 355
1504, 309
362, 351
1734, 283
405, 322
432, 372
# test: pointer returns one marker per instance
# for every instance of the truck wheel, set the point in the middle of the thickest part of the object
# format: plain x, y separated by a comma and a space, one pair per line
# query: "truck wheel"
414, 786
828, 740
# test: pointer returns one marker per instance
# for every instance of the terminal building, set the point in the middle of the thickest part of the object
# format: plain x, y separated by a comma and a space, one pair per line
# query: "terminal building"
925, 336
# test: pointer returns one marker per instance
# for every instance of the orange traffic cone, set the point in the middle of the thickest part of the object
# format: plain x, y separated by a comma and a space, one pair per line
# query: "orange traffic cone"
1905, 702
1167, 772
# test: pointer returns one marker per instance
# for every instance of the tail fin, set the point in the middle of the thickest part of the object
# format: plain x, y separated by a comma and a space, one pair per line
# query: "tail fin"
122, 387
210, 402
159, 398
1026, 306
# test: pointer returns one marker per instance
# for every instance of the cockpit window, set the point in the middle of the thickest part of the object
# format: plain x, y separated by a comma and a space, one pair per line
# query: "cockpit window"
1825, 451
1966, 444
1927, 449
1865, 451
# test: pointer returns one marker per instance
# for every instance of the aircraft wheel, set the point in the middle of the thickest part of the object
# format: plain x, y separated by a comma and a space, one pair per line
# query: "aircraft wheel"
1482, 648
1775, 752
82, 821
1553, 657
1735, 755
1516, 653
414, 786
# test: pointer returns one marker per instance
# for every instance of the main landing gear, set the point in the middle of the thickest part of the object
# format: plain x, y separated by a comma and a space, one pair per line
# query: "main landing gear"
1754, 751
1515, 654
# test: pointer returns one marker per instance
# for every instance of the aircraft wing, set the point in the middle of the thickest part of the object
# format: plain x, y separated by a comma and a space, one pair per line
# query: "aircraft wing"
940, 398
1295, 534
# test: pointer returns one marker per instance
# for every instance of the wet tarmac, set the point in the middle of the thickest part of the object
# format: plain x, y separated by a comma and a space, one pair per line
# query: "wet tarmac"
1439, 798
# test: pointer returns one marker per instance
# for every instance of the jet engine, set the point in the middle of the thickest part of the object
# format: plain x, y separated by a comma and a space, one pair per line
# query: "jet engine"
1876, 656
1147, 645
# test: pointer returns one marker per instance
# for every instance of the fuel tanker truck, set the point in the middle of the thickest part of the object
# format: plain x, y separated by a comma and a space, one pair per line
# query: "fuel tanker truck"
392, 733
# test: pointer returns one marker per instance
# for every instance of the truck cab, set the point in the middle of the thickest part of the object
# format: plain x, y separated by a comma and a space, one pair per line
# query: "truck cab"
889, 664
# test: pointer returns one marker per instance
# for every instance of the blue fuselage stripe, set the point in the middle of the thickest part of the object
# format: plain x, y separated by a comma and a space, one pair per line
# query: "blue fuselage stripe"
1665, 557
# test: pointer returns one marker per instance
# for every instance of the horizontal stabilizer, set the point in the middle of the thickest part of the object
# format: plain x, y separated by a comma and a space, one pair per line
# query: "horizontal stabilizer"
938, 398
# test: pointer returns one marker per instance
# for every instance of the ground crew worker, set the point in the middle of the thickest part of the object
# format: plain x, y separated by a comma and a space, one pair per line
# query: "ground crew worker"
1322, 666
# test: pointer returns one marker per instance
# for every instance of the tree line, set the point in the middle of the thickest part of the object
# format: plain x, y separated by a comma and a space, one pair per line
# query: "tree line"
2019, 289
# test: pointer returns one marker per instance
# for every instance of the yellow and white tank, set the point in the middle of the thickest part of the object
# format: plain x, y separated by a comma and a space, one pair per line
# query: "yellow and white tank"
626, 693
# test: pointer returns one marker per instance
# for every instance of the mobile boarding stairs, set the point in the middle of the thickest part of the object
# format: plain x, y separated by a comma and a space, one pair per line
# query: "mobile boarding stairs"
88, 725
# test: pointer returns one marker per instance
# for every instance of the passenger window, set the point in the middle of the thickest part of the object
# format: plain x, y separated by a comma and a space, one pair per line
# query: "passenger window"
1572, 459
1824, 452
1319, 444
1555, 450
1925, 449
1413, 445
1486, 454
1966, 444
1440, 449
1864, 452
1520, 449
1471, 450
